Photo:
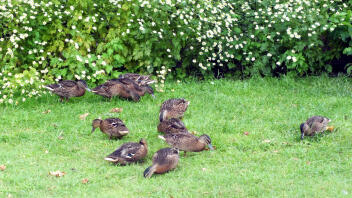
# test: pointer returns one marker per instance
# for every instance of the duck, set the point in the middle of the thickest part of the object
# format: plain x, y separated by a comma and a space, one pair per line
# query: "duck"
173, 108
314, 125
173, 125
164, 160
138, 78
113, 127
66, 89
133, 86
129, 152
113, 88
187, 142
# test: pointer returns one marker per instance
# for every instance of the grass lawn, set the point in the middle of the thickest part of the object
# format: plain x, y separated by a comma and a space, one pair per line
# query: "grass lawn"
270, 161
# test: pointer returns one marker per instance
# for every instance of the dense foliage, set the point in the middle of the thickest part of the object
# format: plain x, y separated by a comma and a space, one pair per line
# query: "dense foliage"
43, 41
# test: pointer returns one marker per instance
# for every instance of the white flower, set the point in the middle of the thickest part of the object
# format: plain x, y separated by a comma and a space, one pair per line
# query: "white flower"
278, 63
253, 59
10, 101
269, 55
288, 57
23, 99
73, 27
294, 59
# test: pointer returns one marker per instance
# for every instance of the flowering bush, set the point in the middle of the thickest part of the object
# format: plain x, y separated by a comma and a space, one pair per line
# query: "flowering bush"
43, 41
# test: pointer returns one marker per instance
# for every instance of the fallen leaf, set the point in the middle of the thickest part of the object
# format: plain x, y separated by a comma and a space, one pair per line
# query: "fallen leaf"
46, 112
330, 128
204, 169
295, 158
266, 141
246, 133
172, 90
84, 181
308, 162
116, 110
57, 173
83, 116
2, 167
9, 196
60, 137
275, 151
46, 151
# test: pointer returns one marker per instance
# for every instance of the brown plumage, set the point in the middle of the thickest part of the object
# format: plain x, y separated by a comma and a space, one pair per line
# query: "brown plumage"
187, 141
164, 160
113, 127
313, 125
173, 108
129, 152
173, 125
131, 85
116, 88
66, 89
139, 79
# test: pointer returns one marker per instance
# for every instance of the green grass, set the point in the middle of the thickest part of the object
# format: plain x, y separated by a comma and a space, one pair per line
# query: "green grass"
241, 166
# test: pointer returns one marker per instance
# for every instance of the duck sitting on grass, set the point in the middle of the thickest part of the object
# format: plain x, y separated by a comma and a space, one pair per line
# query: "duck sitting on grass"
113, 127
173, 125
164, 160
314, 125
66, 89
129, 152
173, 108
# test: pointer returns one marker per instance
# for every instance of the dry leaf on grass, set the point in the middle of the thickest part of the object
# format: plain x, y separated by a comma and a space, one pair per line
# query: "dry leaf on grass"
60, 137
57, 173
275, 151
308, 162
83, 116
246, 133
204, 169
266, 141
2, 167
47, 111
84, 181
116, 110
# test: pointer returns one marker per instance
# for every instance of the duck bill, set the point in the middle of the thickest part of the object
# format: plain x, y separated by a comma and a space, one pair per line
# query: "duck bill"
93, 129
210, 147
124, 132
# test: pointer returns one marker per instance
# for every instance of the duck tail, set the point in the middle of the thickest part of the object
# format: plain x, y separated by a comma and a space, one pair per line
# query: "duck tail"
111, 159
162, 115
48, 87
149, 171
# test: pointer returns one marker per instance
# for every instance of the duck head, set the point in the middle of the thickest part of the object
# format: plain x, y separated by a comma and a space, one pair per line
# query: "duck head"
83, 84
95, 124
205, 139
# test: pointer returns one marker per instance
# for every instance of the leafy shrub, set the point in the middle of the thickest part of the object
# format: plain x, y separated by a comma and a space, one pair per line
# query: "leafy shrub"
44, 41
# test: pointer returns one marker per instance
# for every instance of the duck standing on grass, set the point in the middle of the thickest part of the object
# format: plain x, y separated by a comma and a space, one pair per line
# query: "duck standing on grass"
313, 125
173, 108
129, 152
173, 125
68, 88
187, 142
113, 127
140, 89
164, 160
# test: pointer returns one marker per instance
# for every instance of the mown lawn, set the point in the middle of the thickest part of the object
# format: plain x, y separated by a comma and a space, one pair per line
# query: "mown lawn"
270, 161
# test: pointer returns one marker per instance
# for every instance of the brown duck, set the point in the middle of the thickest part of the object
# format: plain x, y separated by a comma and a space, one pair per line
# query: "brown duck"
136, 88
164, 160
313, 125
116, 88
129, 152
139, 79
66, 89
187, 141
173, 125
113, 127
173, 108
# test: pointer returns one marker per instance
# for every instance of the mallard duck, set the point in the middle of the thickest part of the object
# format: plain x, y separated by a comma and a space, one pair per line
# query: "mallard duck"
133, 86
173, 108
173, 125
113, 88
68, 88
164, 160
113, 127
187, 141
129, 152
313, 125
139, 79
